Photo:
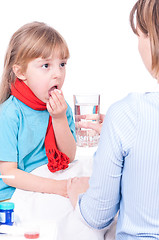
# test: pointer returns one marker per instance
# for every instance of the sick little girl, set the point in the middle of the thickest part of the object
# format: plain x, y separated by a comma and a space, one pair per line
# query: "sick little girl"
36, 123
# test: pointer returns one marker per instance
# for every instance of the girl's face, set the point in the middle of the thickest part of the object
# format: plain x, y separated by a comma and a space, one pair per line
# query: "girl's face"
145, 49
44, 75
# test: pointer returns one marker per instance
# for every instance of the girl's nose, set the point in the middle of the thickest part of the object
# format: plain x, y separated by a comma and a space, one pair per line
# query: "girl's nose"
56, 73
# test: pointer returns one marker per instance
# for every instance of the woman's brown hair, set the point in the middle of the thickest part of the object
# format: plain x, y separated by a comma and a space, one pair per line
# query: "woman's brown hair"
31, 41
147, 19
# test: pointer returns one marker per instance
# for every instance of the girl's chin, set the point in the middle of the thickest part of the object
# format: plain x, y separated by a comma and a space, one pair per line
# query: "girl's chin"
46, 100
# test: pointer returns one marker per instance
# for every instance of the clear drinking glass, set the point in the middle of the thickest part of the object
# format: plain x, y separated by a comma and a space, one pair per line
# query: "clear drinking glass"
86, 109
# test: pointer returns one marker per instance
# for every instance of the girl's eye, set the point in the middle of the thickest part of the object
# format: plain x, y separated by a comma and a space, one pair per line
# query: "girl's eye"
63, 64
46, 65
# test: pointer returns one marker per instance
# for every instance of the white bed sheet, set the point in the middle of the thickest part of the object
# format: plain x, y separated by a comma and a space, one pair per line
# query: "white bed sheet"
39, 208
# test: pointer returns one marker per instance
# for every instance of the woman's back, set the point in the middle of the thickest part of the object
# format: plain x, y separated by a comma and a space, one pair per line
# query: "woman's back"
139, 206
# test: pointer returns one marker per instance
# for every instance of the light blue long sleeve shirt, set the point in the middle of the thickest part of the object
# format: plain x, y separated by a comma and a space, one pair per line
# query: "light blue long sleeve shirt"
126, 170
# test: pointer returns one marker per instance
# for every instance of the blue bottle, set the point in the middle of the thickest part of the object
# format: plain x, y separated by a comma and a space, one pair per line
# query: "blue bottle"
6, 213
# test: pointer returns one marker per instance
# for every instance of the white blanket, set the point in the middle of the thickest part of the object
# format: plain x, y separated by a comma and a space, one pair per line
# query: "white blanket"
35, 207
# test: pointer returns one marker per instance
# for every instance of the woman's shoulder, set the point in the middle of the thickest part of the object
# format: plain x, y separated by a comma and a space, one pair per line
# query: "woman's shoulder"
132, 105
126, 104
137, 101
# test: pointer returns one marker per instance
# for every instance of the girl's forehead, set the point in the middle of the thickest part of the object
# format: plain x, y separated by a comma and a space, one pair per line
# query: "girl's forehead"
56, 52
53, 57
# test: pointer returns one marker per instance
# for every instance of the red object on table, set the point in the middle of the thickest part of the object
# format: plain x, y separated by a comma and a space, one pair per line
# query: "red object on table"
31, 235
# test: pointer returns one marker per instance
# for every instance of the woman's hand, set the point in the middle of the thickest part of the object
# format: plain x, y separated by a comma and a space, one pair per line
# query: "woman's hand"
95, 125
75, 187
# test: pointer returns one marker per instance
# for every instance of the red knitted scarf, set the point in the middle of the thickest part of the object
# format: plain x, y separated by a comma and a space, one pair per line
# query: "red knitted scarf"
56, 159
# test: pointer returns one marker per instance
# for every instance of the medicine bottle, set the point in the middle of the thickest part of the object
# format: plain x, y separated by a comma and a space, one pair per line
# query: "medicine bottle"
6, 213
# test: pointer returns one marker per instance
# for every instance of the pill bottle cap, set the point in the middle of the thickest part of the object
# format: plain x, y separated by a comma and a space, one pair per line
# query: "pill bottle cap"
6, 206
32, 235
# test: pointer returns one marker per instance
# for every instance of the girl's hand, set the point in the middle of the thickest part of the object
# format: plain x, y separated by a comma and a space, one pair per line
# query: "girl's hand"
75, 187
57, 105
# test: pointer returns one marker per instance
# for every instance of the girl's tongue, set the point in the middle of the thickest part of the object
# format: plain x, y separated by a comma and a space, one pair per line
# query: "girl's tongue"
52, 89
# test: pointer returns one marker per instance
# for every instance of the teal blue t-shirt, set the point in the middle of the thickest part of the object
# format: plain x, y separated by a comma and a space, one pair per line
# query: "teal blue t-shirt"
22, 135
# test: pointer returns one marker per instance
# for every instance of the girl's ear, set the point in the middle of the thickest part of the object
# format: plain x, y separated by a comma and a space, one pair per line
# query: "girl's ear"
18, 72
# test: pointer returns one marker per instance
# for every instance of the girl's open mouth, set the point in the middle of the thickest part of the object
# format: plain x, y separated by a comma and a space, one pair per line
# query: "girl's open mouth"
51, 89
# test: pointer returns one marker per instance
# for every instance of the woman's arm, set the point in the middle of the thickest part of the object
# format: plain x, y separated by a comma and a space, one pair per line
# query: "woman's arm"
57, 107
100, 203
29, 182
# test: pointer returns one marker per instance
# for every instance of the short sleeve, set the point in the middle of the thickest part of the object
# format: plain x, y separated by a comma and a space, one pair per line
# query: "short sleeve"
71, 122
8, 137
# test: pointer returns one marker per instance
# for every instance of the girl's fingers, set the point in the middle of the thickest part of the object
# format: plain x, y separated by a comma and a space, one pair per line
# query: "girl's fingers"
57, 105
57, 98
49, 108
60, 96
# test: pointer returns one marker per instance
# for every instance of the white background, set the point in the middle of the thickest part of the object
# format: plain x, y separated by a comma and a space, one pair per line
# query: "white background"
103, 48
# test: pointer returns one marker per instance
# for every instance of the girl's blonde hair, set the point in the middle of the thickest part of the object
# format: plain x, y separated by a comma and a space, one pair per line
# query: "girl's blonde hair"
147, 18
31, 41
